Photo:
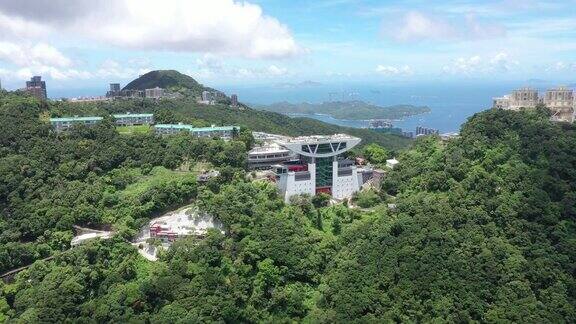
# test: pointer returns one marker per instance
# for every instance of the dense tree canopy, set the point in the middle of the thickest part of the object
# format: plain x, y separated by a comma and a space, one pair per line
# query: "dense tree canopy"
482, 230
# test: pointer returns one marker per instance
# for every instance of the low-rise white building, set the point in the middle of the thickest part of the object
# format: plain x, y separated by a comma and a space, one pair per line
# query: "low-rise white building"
224, 132
392, 163
63, 123
129, 119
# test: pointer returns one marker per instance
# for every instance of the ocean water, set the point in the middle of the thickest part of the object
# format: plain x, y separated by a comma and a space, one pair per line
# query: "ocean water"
451, 104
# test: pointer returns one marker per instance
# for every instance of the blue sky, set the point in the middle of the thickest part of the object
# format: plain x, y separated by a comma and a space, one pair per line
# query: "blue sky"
89, 43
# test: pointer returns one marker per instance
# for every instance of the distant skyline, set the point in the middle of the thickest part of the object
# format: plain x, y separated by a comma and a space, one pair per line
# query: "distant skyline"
90, 43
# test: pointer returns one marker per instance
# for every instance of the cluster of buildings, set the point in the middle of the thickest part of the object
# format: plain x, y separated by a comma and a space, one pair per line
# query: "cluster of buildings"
311, 164
385, 126
153, 93
210, 98
560, 101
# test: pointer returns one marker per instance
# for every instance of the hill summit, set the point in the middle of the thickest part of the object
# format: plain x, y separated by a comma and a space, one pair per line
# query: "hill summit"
165, 79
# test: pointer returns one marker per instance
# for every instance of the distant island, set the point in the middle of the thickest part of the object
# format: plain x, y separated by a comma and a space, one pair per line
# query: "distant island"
351, 110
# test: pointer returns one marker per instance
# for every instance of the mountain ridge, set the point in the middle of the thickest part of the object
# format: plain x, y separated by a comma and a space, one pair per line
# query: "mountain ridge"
352, 110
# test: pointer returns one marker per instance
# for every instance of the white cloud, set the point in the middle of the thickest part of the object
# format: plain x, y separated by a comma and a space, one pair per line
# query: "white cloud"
32, 55
16, 27
561, 66
111, 69
211, 66
218, 26
276, 71
393, 70
500, 62
32, 59
417, 26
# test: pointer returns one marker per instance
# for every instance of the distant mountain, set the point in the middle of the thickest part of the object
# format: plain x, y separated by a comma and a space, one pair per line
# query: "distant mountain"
304, 84
353, 110
168, 79
536, 81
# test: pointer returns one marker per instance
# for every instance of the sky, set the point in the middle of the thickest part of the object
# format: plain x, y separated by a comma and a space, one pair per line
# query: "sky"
84, 44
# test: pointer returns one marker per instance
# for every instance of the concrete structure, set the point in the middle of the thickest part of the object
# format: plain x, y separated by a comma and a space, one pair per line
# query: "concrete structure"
391, 163
501, 102
114, 90
206, 95
129, 119
37, 87
560, 101
234, 100
384, 126
423, 131
180, 224
408, 134
523, 98
89, 99
265, 156
207, 175
224, 132
61, 124
319, 168
115, 87
154, 93
519, 98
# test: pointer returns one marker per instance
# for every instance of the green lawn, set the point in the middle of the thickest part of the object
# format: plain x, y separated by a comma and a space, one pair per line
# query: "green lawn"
136, 129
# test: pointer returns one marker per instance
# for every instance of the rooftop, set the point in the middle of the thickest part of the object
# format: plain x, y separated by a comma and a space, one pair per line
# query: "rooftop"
319, 138
69, 119
132, 115
197, 129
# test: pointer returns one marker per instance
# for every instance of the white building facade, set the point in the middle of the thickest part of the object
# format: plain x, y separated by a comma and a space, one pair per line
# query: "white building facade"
320, 167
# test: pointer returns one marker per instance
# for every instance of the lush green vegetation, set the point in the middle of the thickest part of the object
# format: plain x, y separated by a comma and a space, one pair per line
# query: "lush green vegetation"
168, 79
483, 230
140, 129
89, 176
354, 110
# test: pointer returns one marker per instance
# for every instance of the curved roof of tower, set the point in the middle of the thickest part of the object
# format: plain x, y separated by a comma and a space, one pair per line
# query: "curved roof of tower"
320, 145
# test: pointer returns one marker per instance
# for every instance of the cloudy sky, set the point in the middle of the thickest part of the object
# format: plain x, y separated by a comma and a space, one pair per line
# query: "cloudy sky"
83, 43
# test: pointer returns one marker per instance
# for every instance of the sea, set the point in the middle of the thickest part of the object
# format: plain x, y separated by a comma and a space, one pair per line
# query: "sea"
451, 104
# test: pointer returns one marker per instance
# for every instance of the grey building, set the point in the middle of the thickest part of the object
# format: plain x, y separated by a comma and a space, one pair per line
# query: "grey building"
224, 132
62, 124
129, 119
154, 93
37, 87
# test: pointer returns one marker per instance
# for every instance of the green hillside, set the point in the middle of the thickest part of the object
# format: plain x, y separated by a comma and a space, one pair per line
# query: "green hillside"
166, 79
483, 229
355, 109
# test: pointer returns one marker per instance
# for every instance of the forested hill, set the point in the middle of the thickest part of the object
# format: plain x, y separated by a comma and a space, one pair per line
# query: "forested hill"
352, 110
167, 79
483, 230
